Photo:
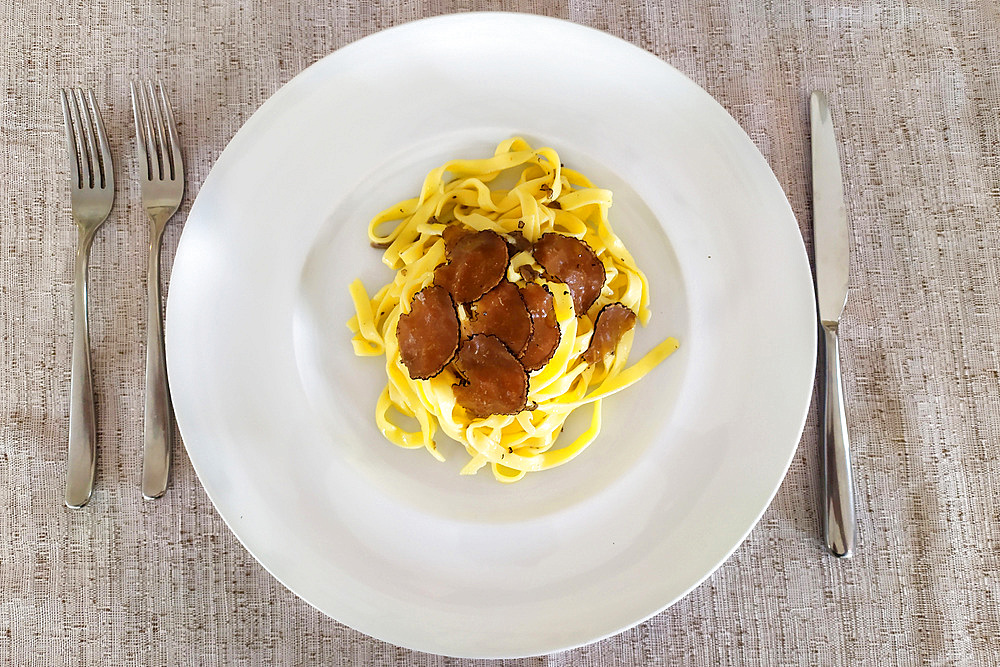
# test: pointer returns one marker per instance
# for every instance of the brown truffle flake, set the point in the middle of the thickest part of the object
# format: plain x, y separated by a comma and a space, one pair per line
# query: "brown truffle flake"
517, 243
570, 260
478, 261
545, 332
502, 313
528, 273
496, 382
613, 322
452, 234
428, 335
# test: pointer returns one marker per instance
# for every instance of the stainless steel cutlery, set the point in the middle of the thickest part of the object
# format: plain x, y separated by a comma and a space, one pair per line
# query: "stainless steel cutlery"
830, 246
161, 172
92, 194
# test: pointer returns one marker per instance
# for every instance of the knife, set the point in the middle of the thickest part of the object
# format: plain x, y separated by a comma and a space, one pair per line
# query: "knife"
831, 252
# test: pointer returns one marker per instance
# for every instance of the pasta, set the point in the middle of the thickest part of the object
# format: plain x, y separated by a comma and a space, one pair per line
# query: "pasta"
541, 197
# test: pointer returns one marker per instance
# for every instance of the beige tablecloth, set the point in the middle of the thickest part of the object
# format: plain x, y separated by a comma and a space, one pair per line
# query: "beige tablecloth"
915, 88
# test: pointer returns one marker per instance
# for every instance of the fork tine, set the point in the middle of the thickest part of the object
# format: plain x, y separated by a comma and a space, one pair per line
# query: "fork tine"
140, 131
107, 162
161, 139
86, 178
93, 163
74, 156
176, 163
155, 165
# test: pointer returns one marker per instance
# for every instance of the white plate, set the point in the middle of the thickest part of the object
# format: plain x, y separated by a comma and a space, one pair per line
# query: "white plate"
277, 413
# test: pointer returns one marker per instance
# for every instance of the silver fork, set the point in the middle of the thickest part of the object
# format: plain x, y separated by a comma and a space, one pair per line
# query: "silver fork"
92, 193
161, 172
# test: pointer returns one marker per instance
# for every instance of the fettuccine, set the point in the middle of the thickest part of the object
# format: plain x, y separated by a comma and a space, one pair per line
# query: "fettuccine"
546, 197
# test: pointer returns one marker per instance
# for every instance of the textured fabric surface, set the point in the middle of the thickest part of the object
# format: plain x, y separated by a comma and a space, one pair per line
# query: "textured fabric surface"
915, 89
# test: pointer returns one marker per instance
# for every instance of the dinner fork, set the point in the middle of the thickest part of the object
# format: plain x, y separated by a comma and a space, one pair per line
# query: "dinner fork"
92, 194
161, 173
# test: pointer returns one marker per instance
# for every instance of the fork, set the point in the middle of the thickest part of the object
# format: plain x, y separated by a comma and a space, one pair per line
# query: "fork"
161, 173
92, 193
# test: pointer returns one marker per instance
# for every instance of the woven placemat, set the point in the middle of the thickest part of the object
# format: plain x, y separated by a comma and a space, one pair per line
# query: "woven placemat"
915, 90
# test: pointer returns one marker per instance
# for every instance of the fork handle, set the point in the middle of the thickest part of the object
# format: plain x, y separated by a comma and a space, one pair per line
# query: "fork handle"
82, 455
157, 437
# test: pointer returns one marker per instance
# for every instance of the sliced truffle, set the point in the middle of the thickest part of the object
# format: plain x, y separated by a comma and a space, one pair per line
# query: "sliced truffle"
428, 335
502, 313
496, 382
477, 262
612, 323
545, 332
451, 235
517, 242
570, 260
528, 273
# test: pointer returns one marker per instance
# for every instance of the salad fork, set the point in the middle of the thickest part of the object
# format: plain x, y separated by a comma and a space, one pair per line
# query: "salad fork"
92, 194
161, 173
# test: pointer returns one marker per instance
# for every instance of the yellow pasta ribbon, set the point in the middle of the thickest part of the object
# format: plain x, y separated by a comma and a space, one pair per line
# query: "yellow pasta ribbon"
545, 197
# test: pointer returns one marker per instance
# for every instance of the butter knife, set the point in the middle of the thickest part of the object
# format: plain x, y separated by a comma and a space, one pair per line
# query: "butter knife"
830, 247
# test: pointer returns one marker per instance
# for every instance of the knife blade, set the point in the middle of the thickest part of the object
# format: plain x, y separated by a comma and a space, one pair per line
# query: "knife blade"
831, 251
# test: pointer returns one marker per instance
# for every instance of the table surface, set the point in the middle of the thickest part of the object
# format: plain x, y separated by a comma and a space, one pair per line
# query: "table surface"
915, 90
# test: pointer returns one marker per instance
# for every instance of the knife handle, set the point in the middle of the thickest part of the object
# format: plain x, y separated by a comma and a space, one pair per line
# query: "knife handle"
838, 486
